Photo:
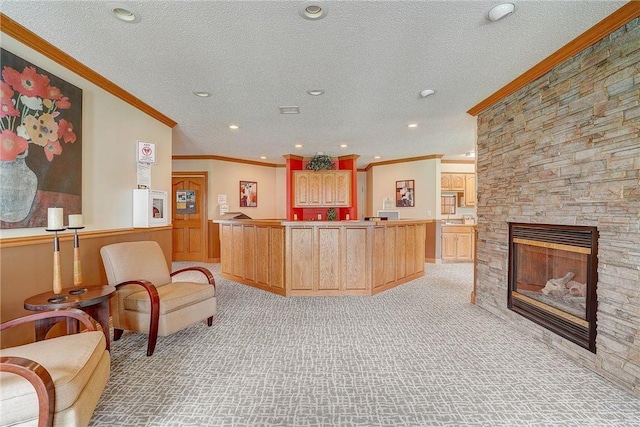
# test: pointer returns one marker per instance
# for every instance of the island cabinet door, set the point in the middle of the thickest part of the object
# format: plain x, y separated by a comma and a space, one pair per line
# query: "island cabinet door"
299, 261
226, 250
328, 259
262, 254
378, 278
276, 258
357, 263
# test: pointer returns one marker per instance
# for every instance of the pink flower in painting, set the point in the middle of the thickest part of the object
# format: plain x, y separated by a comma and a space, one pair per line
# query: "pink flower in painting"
53, 147
53, 93
65, 132
29, 112
11, 145
6, 101
63, 103
28, 83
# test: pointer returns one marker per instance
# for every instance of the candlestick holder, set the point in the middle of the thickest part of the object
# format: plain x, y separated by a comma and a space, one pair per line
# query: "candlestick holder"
77, 267
57, 270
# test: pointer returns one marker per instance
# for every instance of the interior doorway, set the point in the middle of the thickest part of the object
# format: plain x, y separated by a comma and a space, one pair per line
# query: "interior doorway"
189, 192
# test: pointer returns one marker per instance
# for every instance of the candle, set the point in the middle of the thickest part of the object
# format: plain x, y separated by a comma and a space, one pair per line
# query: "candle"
75, 221
54, 219
347, 217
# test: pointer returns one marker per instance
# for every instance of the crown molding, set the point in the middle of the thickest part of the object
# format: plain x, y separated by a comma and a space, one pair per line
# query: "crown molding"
408, 159
459, 162
223, 159
11, 28
608, 25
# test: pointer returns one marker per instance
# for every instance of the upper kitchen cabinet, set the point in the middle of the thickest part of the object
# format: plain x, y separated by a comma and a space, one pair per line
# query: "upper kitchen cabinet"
452, 182
322, 188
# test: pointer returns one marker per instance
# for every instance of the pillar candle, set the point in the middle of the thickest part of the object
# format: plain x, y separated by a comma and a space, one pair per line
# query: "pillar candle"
54, 219
75, 221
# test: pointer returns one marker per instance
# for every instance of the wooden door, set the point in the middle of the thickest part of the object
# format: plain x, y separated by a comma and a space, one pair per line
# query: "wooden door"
190, 216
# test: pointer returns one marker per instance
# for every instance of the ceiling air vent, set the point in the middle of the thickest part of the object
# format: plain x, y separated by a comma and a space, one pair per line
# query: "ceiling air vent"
290, 110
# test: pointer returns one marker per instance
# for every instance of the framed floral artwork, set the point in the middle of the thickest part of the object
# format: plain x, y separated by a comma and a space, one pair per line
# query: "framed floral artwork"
40, 146
248, 194
405, 192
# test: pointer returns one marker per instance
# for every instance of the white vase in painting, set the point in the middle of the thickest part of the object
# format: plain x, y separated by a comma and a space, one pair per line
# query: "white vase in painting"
18, 186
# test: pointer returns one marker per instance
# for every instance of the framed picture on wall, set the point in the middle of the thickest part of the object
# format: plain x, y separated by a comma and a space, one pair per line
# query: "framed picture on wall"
248, 194
405, 193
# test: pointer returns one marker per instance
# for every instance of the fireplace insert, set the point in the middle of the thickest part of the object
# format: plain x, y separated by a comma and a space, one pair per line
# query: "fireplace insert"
553, 278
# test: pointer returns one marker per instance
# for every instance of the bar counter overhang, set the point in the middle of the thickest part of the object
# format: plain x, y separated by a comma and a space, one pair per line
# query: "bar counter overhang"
322, 258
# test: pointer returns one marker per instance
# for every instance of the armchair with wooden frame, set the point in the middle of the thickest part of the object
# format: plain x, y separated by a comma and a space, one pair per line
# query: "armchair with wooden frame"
148, 298
57, 381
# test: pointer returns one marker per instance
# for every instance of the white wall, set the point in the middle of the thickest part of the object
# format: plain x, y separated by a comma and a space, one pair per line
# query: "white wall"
110, 129
425, 173
225, 177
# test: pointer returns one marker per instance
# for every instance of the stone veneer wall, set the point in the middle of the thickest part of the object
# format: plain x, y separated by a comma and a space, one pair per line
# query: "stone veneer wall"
565, 149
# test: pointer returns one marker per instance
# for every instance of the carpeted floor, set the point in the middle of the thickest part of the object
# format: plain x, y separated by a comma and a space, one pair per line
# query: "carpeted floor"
417, 355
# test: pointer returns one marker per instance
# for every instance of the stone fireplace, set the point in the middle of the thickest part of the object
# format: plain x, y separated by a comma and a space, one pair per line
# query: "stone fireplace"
565, 150
553, 278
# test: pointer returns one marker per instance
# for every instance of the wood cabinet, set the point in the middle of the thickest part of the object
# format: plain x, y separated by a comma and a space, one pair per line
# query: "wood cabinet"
457, 243
452, 181
329, 258
321, 188
469, 190
460, 183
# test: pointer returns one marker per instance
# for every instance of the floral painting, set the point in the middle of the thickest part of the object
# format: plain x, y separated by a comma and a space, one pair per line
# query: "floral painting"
40, 144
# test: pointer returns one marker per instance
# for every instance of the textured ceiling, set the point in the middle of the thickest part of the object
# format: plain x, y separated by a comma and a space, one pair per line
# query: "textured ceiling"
372, 58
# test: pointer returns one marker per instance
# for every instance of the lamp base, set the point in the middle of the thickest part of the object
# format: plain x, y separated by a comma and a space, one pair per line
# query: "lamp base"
57, 298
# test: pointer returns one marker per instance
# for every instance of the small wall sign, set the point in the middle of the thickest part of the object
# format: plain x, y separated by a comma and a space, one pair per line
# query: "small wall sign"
146, 152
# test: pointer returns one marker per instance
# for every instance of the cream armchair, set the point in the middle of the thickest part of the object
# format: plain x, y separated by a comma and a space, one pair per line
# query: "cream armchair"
147, 300
57, 381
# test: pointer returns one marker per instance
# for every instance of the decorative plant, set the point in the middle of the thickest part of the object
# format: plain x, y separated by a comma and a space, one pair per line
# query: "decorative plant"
320, 162
331, 214
29, 114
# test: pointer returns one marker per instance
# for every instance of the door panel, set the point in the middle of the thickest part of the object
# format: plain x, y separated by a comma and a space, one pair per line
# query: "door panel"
189, 229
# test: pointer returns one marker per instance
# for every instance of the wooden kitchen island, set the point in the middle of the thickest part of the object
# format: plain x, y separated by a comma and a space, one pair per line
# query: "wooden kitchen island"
329, 258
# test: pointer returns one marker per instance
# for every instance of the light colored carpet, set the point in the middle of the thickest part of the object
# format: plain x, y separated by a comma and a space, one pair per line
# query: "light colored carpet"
417, 355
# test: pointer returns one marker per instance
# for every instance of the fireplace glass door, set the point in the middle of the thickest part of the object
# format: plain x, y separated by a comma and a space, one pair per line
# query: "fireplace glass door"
553, 278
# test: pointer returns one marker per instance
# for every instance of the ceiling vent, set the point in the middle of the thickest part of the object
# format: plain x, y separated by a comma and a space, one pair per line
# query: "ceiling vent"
290, 110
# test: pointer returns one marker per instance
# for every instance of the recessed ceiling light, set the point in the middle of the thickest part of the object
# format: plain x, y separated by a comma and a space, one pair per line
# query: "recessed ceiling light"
412, 125
123, 12
312, 11
289, 110
263, 157
202, 94
376, 157
298, 145
234, 127
501, 11
343, 145
315, 92
427, 92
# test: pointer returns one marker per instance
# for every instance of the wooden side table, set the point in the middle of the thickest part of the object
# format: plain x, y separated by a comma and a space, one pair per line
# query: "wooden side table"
94, 302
